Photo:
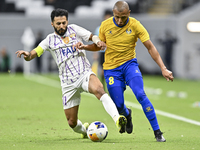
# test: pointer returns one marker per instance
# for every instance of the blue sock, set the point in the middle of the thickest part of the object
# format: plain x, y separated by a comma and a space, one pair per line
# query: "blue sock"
136, 84
150, 113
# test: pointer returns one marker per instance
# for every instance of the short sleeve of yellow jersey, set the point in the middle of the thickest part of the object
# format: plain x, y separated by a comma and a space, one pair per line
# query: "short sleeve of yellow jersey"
101, 35
142, 33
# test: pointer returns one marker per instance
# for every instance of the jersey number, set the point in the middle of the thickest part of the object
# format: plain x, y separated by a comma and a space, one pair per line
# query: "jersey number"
111, 80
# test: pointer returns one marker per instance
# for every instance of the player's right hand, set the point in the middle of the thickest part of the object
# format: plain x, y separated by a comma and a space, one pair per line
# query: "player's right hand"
21, 52
101, 45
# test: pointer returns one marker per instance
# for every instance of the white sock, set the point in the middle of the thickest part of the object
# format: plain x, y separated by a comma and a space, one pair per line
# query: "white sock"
79, 128
110, 106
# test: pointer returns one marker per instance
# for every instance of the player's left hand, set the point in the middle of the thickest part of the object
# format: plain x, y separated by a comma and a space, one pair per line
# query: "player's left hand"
167, 74
101, 45
78, 45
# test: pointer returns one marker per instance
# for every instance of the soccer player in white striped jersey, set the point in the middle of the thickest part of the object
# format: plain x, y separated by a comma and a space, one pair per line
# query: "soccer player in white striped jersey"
74, 69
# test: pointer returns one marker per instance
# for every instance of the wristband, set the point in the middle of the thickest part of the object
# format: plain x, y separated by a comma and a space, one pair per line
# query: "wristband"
95, 39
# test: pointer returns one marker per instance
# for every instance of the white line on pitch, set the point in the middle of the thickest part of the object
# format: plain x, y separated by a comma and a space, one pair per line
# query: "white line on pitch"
166, 114
43, 80
50, 82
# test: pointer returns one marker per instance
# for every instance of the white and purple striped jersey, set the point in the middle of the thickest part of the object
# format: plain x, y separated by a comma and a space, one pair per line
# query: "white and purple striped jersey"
71, 63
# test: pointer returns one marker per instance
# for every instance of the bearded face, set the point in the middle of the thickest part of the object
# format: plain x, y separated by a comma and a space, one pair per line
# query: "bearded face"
60, 25
60, 31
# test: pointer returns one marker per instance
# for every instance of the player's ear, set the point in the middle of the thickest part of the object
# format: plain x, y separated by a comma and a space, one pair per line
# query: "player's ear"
129, 12
52, 24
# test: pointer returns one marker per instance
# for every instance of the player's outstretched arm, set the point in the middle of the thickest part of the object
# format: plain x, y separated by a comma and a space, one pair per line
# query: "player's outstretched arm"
27, 55
96, 46
90, 47
157, 58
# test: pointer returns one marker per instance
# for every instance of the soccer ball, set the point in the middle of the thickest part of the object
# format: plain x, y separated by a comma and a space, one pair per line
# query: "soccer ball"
97, 131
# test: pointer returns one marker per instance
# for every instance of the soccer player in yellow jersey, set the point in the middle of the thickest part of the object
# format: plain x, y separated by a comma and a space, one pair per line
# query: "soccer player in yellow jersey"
120, 33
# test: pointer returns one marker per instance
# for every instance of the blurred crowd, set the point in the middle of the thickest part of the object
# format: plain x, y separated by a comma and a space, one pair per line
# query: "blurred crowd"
137, 6
4, 60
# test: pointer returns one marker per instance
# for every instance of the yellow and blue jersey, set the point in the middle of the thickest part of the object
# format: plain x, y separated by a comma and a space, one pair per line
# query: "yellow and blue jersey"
121, 41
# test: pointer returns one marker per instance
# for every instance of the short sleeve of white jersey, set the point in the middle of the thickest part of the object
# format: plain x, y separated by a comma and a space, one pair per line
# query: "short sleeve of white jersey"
44, 44
81, 32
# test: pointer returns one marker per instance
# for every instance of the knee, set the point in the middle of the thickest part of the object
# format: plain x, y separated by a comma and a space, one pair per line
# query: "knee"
99, 91
140, 95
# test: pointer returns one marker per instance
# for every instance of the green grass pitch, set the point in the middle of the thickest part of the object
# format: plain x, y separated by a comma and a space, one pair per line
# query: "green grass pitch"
32, 117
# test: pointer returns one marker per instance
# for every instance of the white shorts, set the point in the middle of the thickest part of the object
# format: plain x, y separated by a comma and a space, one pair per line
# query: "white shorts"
72, 93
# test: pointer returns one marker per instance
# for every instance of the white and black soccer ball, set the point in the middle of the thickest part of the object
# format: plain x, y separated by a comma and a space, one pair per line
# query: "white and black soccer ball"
97, 131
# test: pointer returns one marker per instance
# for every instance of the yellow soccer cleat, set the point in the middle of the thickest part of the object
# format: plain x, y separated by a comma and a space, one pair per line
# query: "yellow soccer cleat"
121, 124
86, 125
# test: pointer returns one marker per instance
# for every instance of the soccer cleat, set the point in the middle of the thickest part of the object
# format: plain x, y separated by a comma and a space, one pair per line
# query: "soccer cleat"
121, 124
86, 125
129, 125
159, 136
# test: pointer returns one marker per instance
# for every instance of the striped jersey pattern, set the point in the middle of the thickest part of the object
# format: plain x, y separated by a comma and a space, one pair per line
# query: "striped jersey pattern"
72, 63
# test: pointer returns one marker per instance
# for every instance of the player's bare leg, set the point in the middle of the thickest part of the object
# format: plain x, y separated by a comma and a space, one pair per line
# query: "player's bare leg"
72, 118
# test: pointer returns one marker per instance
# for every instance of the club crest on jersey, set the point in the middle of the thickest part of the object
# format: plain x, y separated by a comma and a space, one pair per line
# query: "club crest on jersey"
66, 40
72, 36
128, 31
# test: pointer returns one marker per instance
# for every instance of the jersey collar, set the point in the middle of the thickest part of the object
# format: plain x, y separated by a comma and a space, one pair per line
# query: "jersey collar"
118, 25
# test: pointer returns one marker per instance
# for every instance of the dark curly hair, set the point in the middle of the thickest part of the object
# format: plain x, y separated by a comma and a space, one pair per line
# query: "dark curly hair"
59, 12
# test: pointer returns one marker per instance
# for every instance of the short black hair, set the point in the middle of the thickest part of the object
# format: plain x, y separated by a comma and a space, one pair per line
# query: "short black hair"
59, 12
108, 12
